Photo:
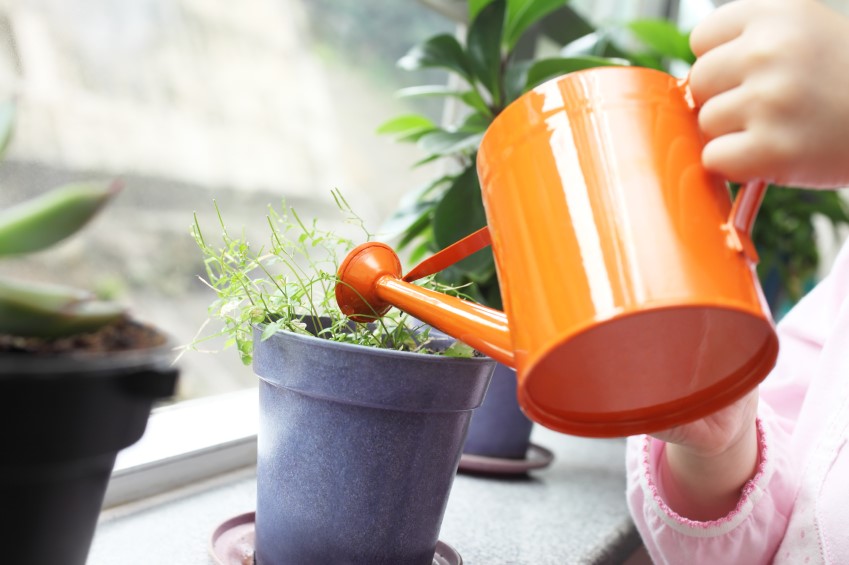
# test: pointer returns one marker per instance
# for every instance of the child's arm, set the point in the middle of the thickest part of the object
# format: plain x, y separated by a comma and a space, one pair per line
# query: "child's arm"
749, 532
681, 522
707, 463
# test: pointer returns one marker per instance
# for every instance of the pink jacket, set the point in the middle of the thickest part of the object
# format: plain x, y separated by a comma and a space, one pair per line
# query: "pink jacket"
795, 510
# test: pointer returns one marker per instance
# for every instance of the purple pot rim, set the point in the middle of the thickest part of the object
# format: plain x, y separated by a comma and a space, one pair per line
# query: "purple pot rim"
369, 376
380, 351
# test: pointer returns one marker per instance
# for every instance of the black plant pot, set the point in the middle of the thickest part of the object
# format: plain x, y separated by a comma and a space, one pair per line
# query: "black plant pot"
357, 449
62, 422
499, 428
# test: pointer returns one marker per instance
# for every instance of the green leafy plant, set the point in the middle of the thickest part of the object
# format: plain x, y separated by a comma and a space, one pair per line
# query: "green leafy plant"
786, 239
39, 310
493, 68
290, 285
491, 74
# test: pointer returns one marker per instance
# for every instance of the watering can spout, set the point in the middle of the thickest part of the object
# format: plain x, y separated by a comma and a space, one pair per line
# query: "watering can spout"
371, 282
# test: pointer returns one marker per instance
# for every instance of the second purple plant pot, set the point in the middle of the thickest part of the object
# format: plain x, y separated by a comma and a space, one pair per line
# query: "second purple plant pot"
499, 429
357, 449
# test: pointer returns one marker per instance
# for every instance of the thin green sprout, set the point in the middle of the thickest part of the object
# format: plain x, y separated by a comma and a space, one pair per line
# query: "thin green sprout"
248, 290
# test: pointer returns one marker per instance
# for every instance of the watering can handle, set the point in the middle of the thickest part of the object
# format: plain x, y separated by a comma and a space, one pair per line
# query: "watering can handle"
450, 255
738, 228
741, 219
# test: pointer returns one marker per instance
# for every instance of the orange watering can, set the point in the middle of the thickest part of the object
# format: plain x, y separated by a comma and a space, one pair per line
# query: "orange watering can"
631, 302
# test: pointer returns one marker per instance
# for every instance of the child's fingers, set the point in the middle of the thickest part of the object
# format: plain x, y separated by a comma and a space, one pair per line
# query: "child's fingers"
725, 113
721, 26
717, 71
737, 157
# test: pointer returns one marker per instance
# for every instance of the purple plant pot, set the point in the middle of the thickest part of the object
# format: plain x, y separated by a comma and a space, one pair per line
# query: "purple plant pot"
357, 449
499, 428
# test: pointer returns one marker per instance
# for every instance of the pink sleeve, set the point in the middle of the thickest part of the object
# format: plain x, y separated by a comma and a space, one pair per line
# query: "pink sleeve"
749, 534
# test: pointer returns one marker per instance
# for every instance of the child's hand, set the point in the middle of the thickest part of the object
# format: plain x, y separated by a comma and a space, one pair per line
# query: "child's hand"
715, 434
771, 77
708, 461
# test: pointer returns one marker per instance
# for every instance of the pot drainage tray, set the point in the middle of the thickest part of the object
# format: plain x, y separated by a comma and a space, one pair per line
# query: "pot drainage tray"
536, 457
233, 544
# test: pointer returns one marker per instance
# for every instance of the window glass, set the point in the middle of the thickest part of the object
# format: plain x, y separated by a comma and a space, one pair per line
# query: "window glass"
189, 101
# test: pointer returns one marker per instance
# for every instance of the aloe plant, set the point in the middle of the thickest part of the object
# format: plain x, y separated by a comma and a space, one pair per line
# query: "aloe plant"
48, 311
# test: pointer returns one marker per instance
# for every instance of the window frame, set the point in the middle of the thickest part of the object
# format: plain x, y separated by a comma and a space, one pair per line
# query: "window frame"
185, 443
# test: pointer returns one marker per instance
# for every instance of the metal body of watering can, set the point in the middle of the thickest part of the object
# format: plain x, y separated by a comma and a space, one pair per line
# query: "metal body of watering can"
631, 302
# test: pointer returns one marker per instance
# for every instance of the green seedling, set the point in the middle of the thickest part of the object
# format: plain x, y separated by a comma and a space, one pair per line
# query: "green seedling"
290, 280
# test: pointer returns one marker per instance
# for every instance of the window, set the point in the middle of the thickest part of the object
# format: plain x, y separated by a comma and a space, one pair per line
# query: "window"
193, 101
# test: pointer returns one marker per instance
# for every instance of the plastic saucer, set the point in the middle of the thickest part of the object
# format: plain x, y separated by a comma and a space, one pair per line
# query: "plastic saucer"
233, 541
233, 544
537, 457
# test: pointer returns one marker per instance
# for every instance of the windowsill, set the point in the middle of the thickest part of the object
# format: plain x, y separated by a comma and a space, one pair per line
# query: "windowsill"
571, 512
186, 443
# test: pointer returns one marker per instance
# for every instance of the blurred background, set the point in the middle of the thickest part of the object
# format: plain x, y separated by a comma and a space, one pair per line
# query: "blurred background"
193, 100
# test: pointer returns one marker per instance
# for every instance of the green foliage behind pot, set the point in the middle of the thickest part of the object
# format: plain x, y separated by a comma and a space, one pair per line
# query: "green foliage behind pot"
492, 71
492, 76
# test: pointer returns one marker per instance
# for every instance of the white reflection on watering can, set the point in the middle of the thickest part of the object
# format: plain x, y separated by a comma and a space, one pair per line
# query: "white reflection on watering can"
581, 212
